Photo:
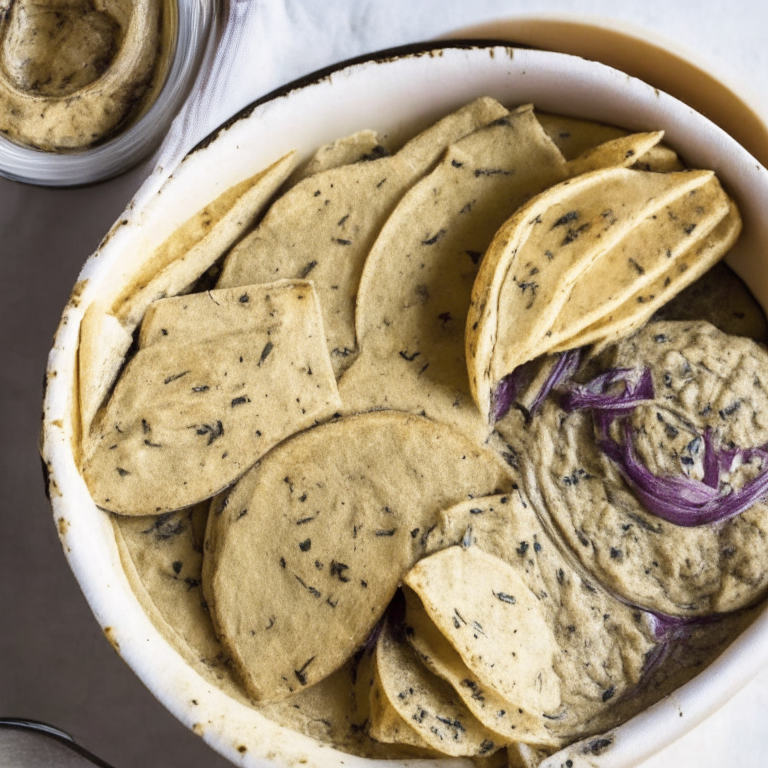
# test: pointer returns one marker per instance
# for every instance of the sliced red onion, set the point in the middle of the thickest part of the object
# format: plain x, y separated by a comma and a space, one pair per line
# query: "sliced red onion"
711, 461
683, 500
663, 625
597, 394
509, 389
513, 384
668, 630
566, 365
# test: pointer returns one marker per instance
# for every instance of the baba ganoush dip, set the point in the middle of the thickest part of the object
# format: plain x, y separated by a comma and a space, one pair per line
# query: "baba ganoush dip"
73, 72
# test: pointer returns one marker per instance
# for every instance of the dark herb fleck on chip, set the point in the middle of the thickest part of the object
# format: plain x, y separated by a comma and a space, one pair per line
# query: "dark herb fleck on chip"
214, 431
308, 268
305, 545
268, 347
432, 240
337, 569
300, 676
409, 358
491, 172
312, 591
175, 376
573, 234
567, 219
505, 598
240, 400
177, 567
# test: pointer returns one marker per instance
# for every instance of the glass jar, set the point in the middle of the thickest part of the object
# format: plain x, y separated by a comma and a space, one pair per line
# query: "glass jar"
188, 26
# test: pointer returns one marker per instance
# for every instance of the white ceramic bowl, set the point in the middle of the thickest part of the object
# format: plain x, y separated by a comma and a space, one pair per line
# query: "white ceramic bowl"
397, 93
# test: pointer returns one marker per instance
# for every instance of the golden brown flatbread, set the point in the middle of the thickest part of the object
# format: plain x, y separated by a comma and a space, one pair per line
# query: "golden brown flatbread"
330, 520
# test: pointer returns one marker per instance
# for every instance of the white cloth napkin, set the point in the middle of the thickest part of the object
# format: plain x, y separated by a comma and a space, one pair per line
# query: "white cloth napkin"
263, 44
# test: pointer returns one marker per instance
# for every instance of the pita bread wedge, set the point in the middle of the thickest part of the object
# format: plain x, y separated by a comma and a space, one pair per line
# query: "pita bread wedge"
416, 285
198, 243
162, 558
225, 311
619, 153
539, 253
387, 724
427, 703
507, 720
602, 643
639, 307
173, 266
575, 137
187, 418
645, 254
323, 228
103, 345
359, 147
660, 159
329, 521
489, 615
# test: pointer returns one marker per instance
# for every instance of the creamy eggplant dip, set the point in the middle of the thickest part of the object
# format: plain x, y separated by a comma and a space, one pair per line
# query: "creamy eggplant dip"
73, 72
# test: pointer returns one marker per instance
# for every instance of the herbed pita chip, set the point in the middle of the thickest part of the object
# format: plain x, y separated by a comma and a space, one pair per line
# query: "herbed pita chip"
175, 264
619, 153
162, 558
187, 418
323, 228
507, 720
602, 643
428, 704
360, 146
494, 621
328, 522
648, 252
200, 241
103, 344
638, 308
539, 253
225, 311
575, 137
387, 724
416, 284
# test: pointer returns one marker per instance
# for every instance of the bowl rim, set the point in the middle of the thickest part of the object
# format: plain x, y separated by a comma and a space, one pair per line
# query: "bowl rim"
624, 746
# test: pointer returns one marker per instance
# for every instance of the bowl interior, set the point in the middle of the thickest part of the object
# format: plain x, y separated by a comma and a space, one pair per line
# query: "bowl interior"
396, 93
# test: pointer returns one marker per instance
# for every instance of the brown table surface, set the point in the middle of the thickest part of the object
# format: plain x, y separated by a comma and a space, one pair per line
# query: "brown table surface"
55, 664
